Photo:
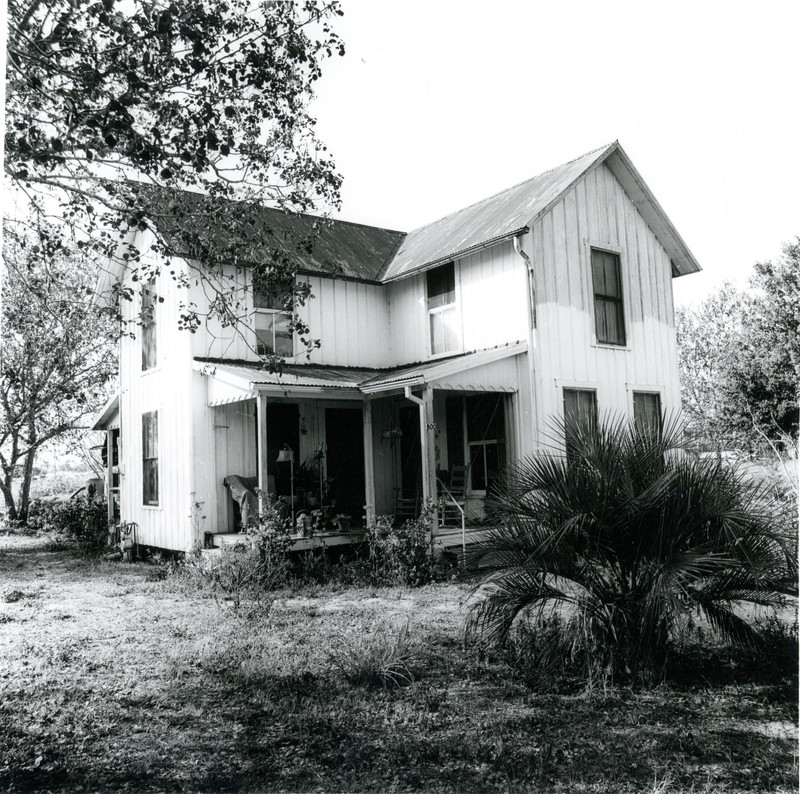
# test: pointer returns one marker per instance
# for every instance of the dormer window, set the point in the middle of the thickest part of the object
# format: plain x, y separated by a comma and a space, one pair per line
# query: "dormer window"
442, 310
272, 323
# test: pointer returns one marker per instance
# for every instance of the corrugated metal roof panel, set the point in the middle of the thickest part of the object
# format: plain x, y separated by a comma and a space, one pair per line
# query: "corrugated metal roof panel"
339, 248
492, 219
292, 374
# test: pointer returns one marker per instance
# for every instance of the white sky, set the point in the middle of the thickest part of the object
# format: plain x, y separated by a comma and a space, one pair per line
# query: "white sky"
438, 104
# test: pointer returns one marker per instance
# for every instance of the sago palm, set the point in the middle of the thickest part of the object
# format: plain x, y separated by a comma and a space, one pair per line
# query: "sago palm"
632, 535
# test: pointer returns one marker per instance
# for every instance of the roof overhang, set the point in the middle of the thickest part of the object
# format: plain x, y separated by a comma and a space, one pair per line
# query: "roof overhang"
431, 371
108, 416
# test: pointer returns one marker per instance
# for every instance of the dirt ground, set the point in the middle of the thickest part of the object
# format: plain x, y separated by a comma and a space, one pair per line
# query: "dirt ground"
120, 676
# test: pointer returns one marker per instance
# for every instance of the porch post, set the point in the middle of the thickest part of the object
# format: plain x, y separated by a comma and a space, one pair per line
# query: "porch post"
110, 474
261, 429
428, 431
369, 463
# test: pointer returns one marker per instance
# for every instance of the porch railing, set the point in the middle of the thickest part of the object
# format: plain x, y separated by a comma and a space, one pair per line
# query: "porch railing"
453, 500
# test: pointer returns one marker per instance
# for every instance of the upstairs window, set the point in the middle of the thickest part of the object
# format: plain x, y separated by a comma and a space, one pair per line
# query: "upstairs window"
580, 410
273, 323
647, 412
442, 312
609, 321
150, 458
149, 301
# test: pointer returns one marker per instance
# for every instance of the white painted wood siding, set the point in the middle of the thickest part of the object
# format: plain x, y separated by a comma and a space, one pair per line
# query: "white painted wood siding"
491, 286
167, 388
597, 212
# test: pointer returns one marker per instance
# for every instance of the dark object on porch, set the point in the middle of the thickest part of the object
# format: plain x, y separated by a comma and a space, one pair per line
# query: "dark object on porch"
406, 505
456, 498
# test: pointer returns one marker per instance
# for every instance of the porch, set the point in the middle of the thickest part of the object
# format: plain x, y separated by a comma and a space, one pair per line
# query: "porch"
337, 447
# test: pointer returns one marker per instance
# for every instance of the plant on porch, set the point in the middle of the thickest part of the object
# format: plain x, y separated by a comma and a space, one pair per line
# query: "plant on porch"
624, 539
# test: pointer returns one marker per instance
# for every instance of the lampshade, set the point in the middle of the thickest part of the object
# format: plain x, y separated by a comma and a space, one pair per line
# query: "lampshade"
285, 455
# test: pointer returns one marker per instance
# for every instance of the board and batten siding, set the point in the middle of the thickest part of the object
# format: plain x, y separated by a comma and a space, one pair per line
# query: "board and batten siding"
491, 289
166, 388
597, 213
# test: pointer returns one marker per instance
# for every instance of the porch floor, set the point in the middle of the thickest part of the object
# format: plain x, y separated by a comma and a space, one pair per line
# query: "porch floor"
300, 543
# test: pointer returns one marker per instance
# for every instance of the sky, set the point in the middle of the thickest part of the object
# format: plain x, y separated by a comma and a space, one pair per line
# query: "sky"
439, 104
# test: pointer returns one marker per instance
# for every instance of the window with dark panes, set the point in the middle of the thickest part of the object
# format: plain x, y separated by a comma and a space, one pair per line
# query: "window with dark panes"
647, 412
273, 322
149, 303
609, 320
150, 457
580, 409
442, 312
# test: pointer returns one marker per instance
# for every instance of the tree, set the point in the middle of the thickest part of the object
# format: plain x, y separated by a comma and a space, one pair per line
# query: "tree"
107, 101
56, 358
740, 361
632, 538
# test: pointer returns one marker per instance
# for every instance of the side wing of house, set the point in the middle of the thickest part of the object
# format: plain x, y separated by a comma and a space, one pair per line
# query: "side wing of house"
156, 439
605, 331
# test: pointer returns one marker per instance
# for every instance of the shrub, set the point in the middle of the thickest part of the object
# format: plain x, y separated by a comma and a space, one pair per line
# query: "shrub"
379, 659
83, 517
632, 537
401, 555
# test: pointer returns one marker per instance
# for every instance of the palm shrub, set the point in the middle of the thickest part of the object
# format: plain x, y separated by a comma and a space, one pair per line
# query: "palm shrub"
630, 536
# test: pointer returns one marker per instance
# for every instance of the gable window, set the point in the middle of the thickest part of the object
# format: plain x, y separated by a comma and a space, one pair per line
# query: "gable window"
149, 301
647, 412
580, 410
609, 321
273, 323
150, 458
442, 312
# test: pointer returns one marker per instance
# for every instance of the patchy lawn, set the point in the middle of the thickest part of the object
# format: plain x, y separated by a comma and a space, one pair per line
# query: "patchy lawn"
114, 677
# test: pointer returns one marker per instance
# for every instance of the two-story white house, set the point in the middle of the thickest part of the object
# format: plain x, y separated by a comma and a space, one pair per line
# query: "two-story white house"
445, 352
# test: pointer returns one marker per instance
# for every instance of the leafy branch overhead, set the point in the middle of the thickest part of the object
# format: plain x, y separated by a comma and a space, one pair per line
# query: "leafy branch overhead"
108, 100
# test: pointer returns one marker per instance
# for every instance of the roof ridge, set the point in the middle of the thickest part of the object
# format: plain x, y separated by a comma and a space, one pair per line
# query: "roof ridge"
513, 187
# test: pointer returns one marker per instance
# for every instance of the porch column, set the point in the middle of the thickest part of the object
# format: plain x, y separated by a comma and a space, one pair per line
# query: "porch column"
428, 431
261, 429
369, 463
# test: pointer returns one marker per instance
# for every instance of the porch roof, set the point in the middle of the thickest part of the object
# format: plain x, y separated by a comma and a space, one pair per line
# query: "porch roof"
430, 371
107, 417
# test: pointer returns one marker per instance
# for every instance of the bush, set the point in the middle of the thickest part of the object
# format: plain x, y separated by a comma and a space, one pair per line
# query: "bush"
83, 517
632, 538
379, 659
401, 555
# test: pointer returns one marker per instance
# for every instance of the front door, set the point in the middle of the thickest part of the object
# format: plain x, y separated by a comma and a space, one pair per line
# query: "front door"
344, 435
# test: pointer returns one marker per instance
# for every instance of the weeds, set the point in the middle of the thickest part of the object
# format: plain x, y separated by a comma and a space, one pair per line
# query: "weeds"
401, 555
379, 659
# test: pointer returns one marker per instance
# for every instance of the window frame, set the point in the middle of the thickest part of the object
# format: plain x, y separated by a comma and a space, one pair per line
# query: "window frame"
149, 335
648, 393
618, 301
152, 459
594, 416
273, 311
438, 311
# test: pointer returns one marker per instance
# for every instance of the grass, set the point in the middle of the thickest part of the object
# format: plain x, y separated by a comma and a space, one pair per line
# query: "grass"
113, 677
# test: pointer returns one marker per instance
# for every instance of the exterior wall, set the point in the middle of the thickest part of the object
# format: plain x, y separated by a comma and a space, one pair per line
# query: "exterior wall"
491, 290
167, 389
597, 212
349, 318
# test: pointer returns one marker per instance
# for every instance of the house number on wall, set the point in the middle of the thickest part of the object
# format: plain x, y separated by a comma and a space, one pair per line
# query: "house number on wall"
431, 425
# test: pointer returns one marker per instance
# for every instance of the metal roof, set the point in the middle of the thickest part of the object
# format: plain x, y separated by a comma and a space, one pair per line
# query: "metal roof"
250, 376
496, 218
340, 248
367, 253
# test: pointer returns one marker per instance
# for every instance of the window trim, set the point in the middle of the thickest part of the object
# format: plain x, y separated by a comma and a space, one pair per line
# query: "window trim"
149, 287
259, 311
649, 393
455, 307
608, 248
157, 503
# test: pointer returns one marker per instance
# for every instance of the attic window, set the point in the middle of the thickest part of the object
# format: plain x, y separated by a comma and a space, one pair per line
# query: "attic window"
273, 323
442, 311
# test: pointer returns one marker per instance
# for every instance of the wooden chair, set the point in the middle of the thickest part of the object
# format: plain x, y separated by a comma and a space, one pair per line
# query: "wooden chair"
406, 505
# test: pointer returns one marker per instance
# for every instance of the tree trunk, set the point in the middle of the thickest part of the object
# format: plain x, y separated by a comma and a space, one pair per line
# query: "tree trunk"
25, 490
8, 496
